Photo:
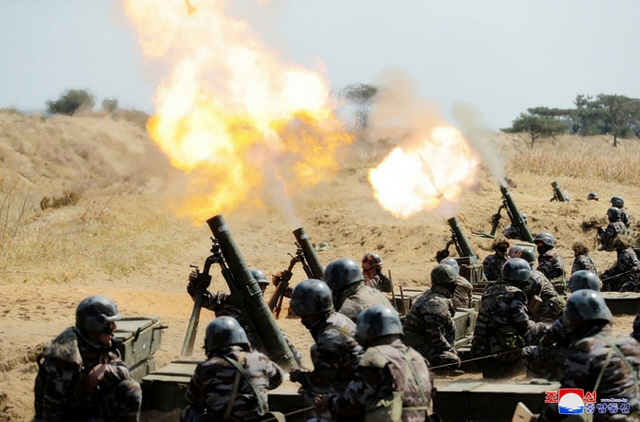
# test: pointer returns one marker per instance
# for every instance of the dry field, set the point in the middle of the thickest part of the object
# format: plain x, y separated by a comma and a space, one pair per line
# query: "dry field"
115, 237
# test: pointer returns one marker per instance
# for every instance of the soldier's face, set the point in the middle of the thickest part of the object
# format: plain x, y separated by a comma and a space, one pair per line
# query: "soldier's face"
105, 338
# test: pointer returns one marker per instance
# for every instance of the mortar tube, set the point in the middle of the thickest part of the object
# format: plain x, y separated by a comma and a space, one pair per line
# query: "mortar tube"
309, 253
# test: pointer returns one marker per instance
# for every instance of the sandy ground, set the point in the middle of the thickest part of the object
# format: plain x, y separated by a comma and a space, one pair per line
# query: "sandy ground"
341, 212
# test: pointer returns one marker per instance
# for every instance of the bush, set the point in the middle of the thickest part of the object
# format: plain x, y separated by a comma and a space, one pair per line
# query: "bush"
71, 101
110, 104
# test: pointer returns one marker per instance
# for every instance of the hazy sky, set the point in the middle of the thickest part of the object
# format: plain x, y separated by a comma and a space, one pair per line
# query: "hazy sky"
502, 56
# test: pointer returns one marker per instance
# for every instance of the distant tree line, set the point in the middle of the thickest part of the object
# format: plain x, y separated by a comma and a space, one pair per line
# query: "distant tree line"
72, 100
615, 115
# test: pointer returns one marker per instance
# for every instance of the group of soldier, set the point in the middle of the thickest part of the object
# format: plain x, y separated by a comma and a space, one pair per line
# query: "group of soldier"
369, 363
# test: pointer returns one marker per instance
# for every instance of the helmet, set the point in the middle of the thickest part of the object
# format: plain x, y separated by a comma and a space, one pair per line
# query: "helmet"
341, 273
516, 270
510, 232
617, 201
614, 214
585, 305
370, 260
500, 243
584, 279
96, 313
259, 276
514, 250
546, 238
311, 297
377, 321
222, 332
451, 262
528, 255
445, 276
593, 196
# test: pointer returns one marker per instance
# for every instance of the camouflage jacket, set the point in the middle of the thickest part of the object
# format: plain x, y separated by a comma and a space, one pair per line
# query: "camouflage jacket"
335, 354
60, 388
378, 281
624, 270
463, 295
551, 304
358, 297
584, 363
429, 328
636, 327
557, 334
492, 266
211, 387
584, 262
608, 235
551, 264
503, 322
382, 370
624, 217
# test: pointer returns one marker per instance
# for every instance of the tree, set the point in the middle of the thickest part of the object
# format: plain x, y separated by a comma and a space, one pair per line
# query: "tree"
537, 126
621, 114
71, 101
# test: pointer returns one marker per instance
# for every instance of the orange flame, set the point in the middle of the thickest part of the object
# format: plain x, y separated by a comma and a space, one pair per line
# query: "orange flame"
422, 178
231, 112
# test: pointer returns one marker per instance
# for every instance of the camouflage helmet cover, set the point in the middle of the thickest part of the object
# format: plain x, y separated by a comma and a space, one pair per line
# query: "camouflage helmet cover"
96, 313
546, 238
585, 305
377, 321
259, 276
222, 332
311, 297
617, 201
341, 273
584, 279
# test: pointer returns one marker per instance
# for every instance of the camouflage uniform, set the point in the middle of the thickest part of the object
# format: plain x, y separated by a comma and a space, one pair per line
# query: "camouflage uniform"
60, 388
357, 297
492, 265
222, 304
584, 364
636, 327
624, 217
429, 327
463, 296
608, 235
211, 387
623, 275
583, 262
546, 360
544, 303
502, 325
551, 265
382, 371
378, 281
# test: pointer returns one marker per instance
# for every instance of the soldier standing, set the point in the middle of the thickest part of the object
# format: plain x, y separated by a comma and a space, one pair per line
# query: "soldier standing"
372, 272
81, 376
623, 275
618, 202
544, 303
613, 230
492, 264
391, 382
503, 326
350, 295
582, 260
546, 360
335, 353
232, 383
550, 262
463, 296
222, 304
429, 326
599, 360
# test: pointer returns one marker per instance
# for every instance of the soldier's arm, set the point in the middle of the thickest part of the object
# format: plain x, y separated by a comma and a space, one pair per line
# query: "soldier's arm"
361, 390
57, 389
329, 354
437, 329
194, 395
274, 374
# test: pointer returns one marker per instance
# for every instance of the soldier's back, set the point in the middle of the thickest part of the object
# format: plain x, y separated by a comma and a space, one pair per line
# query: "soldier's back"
360, 297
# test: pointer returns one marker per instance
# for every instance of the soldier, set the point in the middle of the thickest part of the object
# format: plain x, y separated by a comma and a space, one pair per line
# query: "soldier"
222, 304
503, 326
623, 275
429, 326
544, 303
232, 383
463, 296
392, 381
546, 360
350, 295
593, 196
582, 259
492, 264
613, 230
599, 360
514, 250
618, 202
80, 374
636, 327
550, 262
335, 353
372, 272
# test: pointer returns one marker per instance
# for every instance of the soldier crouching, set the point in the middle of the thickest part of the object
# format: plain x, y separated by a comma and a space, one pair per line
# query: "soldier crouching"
81, 376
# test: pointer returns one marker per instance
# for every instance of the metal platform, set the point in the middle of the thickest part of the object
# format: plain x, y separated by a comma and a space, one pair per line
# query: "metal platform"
622, 303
